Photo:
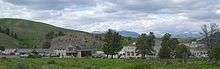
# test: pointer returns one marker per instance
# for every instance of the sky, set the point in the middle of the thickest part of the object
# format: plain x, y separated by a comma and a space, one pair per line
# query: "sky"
159, 16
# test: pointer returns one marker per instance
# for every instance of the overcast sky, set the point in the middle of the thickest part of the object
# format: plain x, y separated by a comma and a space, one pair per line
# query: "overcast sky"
141, 16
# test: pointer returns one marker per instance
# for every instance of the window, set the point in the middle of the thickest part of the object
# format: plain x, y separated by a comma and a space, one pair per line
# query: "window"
128, 53
132, 53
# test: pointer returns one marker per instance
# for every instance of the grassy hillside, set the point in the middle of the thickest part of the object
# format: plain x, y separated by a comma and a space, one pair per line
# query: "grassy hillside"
8, 41
30, 33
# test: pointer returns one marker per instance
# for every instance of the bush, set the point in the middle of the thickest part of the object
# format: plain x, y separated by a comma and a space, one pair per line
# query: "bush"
34, 56
51, 62
21, 65
216, 52
182, 51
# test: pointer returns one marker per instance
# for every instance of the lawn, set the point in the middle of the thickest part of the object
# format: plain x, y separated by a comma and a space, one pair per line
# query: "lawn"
104, 64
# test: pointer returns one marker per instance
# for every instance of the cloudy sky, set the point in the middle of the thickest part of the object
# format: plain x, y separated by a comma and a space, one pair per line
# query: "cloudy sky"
141, 16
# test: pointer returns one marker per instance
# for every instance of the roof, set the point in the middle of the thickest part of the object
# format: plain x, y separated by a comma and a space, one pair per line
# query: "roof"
66, 42
24, 50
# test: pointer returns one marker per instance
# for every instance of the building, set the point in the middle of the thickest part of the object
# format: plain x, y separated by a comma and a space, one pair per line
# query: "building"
130, 51
198, 50
43, 52
70, 46
24, 53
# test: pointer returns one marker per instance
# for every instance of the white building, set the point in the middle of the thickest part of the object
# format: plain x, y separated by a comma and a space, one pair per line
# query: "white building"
197, 50
130, 51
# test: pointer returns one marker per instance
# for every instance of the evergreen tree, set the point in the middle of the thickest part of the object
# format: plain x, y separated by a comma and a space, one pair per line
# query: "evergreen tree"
145, 44
7, 31
15, 36
142, 45
46, 44
49, 36
165, 50
151, 41
1, 29
112, 43
60, 33
2, 48
216, 51
181, 51
174, 44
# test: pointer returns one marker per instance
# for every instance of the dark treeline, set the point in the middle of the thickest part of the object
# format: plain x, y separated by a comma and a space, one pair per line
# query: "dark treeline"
49, 36
8, 32
170, 47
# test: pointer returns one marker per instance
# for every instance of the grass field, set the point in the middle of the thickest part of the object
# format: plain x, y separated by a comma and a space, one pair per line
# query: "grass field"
104, 64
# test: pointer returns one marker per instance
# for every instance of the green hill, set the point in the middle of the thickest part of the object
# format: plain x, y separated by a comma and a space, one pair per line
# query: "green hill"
8, 41
30, 33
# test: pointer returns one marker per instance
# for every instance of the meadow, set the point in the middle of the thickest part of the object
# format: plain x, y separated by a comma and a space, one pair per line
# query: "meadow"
47, 63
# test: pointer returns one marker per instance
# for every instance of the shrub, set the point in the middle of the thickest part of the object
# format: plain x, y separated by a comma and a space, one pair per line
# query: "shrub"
216, 52
21, 65
51, 62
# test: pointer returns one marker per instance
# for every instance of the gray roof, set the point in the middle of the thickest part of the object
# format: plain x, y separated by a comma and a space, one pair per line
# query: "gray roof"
24, 50
66, 42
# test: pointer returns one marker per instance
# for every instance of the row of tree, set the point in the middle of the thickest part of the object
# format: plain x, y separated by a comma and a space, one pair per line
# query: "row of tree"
145, 45
49, 36
8, 32
170, 48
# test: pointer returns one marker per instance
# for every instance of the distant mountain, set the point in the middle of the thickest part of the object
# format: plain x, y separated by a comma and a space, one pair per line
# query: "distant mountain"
123, 33
187, 35
129, 34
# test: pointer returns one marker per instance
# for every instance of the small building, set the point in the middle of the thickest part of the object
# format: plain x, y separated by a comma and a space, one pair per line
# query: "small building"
23, 53
129, 52
197, 50
43, 52
9, 52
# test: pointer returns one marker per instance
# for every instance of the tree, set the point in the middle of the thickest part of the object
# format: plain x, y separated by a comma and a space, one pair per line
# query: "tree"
1, 29
181, 51
7, 31
166, 46
112, 43
151, 40
49, 36
15, 36
142, 45
208, 31
46, 44
174, 44
60, 33
145, 44
2, 48
216, 52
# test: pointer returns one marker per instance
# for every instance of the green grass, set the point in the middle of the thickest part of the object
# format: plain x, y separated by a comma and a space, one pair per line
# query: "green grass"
104, 64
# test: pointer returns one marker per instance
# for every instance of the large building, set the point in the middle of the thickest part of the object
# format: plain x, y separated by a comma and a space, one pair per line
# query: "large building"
70, 46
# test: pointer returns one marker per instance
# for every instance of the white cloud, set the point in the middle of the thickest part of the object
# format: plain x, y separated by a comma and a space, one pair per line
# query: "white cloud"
172, 16
218, 11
